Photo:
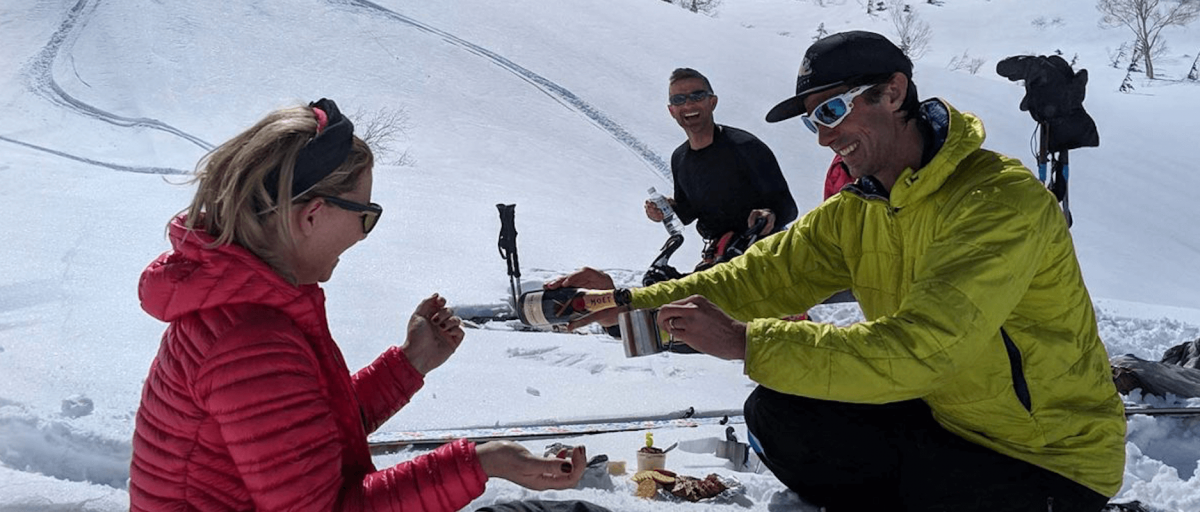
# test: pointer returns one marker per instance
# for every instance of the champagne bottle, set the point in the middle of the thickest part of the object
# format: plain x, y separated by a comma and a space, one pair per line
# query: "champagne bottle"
545, 308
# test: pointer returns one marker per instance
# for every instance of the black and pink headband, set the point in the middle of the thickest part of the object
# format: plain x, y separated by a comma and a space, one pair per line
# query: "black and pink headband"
327, 151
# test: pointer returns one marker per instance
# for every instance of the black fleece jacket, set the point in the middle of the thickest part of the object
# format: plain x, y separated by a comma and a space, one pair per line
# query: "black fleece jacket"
720, 184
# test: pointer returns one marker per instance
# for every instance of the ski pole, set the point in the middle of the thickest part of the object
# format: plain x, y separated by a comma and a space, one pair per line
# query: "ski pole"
1163, 411
508, 247
1059, 184
1043, 155
383, 442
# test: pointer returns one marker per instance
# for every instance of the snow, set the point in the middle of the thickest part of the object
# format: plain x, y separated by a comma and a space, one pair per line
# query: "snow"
557, 106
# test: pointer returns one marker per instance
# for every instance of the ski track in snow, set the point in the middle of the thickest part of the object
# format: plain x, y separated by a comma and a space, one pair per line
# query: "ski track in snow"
115, 167
557, 357
40, 74
555, 91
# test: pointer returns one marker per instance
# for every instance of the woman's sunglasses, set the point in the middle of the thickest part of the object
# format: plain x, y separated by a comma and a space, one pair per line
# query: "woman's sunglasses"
370, 212
833, 111
680, 99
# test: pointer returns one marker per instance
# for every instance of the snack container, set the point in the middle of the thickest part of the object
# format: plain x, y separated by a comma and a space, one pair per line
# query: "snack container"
647, 461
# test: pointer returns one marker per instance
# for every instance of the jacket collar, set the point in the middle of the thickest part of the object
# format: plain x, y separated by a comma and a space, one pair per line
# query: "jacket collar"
958, 135
195, 275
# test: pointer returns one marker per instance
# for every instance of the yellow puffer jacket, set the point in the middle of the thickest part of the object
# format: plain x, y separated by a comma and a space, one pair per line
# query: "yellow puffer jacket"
974, 299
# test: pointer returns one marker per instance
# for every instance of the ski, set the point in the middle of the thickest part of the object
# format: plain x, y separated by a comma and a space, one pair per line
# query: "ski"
1163, 411
385, 442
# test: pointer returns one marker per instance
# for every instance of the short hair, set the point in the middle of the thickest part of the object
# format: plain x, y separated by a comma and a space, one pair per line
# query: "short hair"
232, 201
685, 73
874, 94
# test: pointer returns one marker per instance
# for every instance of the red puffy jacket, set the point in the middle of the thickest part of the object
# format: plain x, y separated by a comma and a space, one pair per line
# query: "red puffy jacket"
249, 404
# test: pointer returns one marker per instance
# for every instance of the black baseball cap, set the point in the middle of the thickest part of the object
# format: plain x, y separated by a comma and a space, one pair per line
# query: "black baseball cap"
837, 59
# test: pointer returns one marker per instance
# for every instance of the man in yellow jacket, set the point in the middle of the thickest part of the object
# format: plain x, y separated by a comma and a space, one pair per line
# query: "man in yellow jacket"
978, 381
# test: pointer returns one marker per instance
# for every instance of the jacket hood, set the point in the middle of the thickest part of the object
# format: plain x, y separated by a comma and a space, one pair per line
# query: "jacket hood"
963, 134
195, 275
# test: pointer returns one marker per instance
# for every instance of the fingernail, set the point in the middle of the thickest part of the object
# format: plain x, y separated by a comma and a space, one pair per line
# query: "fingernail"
566, 467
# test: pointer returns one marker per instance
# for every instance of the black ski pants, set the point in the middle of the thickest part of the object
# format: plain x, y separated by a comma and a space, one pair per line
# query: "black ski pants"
852, 457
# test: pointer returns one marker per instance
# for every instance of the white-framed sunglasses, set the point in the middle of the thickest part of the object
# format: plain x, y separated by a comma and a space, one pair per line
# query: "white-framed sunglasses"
833, 111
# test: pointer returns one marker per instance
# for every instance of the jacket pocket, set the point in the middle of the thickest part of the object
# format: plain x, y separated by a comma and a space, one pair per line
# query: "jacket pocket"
1020, 386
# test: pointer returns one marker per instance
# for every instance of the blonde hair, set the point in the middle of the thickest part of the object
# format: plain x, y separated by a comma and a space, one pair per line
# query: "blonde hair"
232, 202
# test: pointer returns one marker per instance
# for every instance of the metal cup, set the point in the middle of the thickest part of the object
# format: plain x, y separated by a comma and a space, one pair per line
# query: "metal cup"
639, 332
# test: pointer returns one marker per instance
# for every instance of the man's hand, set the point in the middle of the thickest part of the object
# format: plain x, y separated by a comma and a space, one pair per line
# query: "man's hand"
434, 333
512, 462
588, 277
760, 214
703, 326
652, 211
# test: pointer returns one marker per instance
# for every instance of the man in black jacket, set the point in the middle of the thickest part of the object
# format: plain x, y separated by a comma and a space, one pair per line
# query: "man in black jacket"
725, 178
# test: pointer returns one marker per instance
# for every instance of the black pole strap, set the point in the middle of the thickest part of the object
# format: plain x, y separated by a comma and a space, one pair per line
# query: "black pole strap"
1058, 183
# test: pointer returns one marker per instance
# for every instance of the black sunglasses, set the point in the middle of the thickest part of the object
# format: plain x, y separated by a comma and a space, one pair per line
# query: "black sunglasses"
680, 99
371, 212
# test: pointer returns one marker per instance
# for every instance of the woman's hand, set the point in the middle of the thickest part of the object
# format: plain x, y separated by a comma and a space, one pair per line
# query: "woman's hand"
434, 333
512, 462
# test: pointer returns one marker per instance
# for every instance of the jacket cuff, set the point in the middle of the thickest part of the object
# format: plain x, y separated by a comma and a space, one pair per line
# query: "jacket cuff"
405, 373
755, 345
467, 464
385, 386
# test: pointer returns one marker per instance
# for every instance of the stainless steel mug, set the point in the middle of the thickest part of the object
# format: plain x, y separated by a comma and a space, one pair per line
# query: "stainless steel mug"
640, 334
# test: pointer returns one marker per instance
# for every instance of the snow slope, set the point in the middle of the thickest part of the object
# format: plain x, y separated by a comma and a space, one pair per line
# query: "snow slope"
556, 106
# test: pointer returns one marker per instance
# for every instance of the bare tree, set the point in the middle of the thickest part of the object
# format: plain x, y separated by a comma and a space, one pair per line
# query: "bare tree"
1115, 57
380, 129
1127, 83
708, 7
821, 32
967, 62
1147, 18
913, 32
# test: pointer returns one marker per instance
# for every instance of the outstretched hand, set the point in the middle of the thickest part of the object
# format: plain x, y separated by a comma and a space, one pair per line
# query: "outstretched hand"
590, 278
434, 333
705, 327
512, 462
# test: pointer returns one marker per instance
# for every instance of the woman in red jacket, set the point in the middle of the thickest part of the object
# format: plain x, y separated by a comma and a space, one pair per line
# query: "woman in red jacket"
249, 404
836, 177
